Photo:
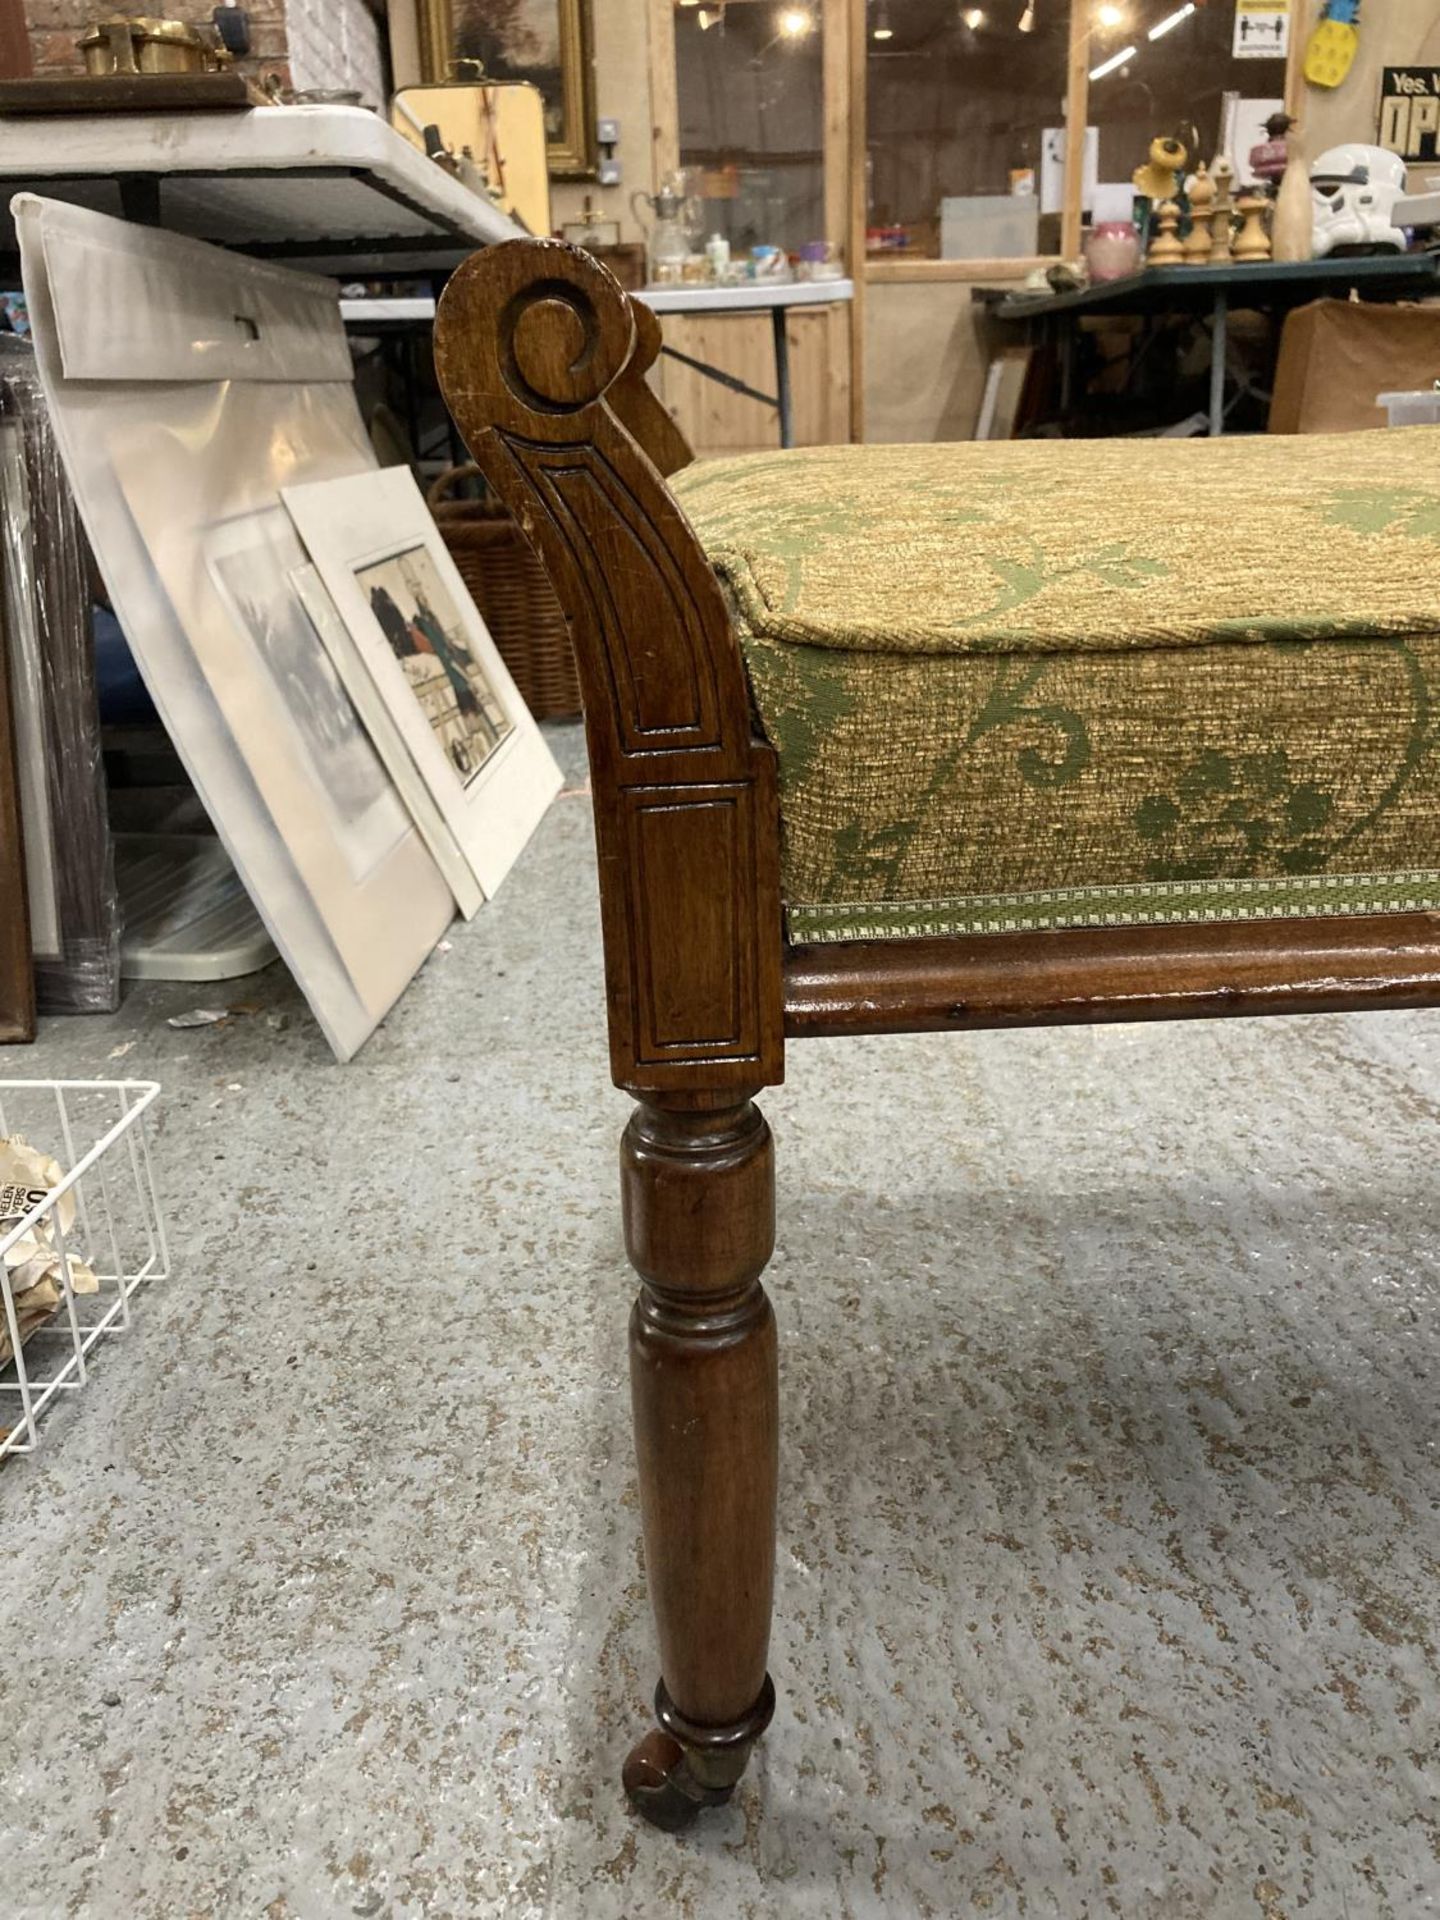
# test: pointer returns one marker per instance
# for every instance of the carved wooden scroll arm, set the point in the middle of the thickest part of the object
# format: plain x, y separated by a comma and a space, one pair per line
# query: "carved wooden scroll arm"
528, 339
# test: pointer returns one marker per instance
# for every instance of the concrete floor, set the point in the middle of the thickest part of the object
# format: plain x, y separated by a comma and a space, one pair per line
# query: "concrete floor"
1110, 1521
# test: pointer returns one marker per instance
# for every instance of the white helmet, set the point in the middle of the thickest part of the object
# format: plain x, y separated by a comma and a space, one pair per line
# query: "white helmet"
1355, 188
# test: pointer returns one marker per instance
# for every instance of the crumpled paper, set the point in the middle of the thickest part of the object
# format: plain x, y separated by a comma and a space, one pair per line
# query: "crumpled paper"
32, 1266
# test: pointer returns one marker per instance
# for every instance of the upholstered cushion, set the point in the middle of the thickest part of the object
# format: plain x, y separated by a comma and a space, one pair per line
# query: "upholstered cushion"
1074, 682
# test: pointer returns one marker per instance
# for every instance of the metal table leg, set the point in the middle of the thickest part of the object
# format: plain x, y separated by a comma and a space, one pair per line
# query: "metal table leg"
1217, 362
782, 376
1065, 341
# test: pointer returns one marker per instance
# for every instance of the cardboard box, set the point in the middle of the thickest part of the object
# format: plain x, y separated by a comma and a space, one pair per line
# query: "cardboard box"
1336, 355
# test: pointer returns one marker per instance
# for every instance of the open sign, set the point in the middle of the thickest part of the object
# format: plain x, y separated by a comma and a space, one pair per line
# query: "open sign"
1410, 112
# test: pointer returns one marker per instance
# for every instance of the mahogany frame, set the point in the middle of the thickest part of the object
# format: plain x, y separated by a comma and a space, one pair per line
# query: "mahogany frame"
541, 358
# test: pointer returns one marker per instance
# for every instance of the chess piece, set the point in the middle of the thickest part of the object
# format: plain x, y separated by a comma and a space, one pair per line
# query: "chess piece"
1222, 172
1220, 235
1252, 242
1197, 244
1292, 232
1160, 179
1165, 248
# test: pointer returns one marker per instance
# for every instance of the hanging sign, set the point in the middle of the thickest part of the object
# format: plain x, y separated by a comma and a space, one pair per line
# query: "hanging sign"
1262, 30
1410, 111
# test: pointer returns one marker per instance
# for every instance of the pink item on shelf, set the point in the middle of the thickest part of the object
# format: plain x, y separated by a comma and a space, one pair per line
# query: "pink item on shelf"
1112, 249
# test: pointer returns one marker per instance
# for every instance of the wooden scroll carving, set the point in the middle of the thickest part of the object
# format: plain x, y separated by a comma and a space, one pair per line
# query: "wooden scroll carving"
528, 339
636, 406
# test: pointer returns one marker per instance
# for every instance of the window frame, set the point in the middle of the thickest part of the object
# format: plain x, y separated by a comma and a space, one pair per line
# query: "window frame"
846, 146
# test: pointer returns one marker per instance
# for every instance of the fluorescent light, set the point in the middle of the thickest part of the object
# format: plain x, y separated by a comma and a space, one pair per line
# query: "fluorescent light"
1171, 20
1115, 60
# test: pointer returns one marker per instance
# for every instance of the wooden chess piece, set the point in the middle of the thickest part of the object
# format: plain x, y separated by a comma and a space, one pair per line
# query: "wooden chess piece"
1165, 248
1160, 178
1198, 242
1221, 214
1220, 235
1252, 242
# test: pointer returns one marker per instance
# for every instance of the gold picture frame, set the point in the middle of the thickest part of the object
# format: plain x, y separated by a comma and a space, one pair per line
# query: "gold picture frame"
569, 100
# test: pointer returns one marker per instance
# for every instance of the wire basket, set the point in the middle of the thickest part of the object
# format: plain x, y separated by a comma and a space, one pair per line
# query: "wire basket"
96, 1131
514, 595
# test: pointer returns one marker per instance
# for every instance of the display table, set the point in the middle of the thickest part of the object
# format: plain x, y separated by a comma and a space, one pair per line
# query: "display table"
380, 316
331, 189
1264, 285
753, 297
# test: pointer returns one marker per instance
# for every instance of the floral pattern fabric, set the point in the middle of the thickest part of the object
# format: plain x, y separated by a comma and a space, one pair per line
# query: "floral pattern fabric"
1065, 683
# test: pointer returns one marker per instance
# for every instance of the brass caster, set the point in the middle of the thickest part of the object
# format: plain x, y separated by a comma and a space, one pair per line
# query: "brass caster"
662, 1789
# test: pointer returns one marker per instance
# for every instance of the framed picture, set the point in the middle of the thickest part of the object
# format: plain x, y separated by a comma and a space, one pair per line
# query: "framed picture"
232, 379
370, 704
545, 42
306, 754
455, 721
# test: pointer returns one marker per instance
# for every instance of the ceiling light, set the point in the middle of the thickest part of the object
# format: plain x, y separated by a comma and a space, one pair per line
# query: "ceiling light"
974, 18
1109, 15
795, 23
1027, 19
1171, 20
707, 17
882, 29
1115, 60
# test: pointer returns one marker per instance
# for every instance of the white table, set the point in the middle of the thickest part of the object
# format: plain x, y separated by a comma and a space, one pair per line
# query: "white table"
752, 296
331, 189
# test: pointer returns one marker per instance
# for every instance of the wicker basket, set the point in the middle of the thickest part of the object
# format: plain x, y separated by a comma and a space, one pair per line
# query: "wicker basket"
516, 601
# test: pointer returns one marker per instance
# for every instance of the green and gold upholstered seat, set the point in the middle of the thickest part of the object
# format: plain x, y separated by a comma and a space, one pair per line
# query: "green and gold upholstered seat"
1057, 684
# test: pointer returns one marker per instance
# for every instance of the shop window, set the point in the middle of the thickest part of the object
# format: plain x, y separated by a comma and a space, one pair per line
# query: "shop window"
1182, 77
751, 92
959, 100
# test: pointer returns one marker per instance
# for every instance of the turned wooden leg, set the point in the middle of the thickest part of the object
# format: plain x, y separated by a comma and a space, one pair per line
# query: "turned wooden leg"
698, 1182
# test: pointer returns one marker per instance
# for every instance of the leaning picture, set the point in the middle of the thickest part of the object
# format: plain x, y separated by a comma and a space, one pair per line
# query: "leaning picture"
426, 635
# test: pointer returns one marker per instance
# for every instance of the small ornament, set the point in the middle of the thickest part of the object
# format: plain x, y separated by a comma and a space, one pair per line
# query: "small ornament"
1269, 160
1222, 172
1252, 242
1159, 180
1165, 248
1197, 243
1331, 52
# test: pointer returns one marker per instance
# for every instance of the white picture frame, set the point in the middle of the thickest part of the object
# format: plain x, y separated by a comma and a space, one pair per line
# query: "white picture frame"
419, 640
185, 385
374, 710
349, 837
